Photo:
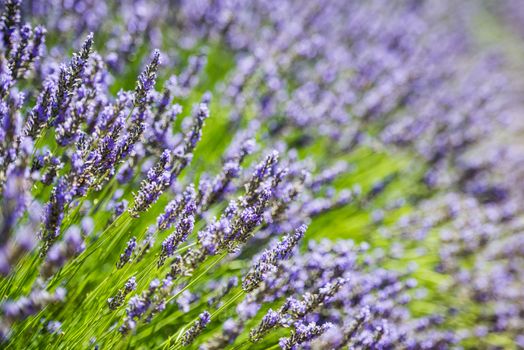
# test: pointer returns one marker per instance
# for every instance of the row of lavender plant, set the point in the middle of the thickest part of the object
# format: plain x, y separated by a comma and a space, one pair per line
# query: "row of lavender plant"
169, 215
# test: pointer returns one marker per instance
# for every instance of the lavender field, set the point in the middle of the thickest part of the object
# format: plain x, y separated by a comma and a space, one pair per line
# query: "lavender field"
232, 174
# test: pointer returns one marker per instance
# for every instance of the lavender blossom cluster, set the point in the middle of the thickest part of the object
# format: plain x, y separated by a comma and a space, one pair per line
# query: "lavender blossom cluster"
187, 177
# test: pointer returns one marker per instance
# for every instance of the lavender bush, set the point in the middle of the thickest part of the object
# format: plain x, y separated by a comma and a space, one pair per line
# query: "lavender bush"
256, 175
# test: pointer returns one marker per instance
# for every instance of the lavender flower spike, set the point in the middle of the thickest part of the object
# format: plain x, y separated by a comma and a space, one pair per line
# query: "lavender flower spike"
210, 192
311, 301
54, 214
72, 245
38, 42
146, 80
128, 252
196, 130
41, 112
138, 305
183, 229
174, 208
261, 170
269, 321
8, 23
302, 334
20, 57
120, 296
152, 187
68, 80
198, 326
269, 259
168, 167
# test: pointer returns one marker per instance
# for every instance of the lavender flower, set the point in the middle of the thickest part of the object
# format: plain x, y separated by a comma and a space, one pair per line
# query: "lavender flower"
167, 170
269, 321
68, 80
54, 327
29, 305
311, 301
118, 300
195, 133
128, 252
197, 328
41, 112
207, 195
189, 77
182, 230
6, 80
303, 333
269, 259
138, 305
143, 87
146, 81
157, 179
21, 55
15, 200
223, 290
39, 35
72, 245
54, 214
10, 20
175, 207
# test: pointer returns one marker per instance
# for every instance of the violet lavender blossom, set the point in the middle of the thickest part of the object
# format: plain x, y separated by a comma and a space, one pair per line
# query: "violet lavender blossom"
197, 328
269, 259
127, 254
167, 169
